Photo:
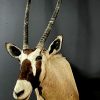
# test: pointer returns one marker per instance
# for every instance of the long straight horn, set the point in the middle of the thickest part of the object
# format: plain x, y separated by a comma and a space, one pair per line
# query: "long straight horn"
26, 21
49, 26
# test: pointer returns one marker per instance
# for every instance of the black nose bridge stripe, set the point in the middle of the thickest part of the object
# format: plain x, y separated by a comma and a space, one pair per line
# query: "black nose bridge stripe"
26, 68
27, 74
38, 65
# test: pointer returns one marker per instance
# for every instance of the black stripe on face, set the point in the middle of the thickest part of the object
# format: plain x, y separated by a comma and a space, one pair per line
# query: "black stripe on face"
26, 70
27, 74
36, 82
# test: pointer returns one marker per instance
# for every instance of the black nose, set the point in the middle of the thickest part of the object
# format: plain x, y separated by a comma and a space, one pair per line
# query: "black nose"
19, 93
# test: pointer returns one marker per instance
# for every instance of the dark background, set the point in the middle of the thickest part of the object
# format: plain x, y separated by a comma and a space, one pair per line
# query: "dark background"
78, 21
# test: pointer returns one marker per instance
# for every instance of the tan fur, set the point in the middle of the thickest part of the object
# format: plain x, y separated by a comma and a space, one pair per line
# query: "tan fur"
57, 80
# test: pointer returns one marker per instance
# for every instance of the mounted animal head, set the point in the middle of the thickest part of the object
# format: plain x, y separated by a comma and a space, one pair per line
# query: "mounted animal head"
31, 60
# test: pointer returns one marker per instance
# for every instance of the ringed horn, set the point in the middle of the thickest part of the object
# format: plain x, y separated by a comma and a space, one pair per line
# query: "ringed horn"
49, 26
47, 30
26, 22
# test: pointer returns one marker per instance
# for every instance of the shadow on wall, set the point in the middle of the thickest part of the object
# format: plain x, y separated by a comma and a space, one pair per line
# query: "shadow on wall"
89, 88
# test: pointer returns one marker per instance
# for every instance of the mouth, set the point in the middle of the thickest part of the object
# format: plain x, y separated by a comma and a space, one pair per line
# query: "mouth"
27, 98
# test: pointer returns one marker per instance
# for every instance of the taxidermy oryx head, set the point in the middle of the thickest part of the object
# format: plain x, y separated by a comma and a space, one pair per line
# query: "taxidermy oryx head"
45, 71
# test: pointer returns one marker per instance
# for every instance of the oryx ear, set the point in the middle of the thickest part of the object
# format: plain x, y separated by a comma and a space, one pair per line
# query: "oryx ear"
55, 46
13, 50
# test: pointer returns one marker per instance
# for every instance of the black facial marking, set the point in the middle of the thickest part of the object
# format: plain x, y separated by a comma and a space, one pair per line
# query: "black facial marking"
55, 45
26, 70
38, 71
40, 90
15, 51
27, 74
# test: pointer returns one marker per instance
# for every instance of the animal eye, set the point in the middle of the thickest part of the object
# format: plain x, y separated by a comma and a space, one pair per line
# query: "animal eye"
38, 58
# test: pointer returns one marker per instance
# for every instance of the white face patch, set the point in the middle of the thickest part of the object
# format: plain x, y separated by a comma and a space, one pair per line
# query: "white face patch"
22, 57
31, 57
22, 85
